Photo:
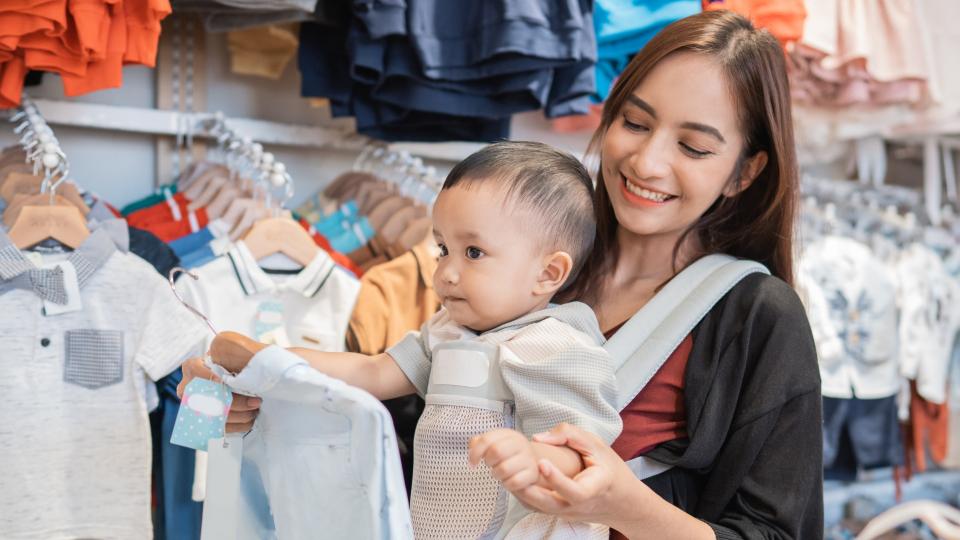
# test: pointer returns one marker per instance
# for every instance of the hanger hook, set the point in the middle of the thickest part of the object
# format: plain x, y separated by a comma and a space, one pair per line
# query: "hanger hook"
172, 278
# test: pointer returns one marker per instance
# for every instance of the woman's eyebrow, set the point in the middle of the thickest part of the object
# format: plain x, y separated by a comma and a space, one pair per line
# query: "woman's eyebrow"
709, 130
643, 105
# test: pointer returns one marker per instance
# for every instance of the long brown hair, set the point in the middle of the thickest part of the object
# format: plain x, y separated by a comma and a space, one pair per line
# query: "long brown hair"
758, 222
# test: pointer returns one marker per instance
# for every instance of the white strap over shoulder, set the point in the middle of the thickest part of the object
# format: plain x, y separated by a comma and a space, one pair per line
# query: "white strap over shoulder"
645, 342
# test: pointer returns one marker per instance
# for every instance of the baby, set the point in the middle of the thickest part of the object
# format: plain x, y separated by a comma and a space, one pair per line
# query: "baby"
514, 223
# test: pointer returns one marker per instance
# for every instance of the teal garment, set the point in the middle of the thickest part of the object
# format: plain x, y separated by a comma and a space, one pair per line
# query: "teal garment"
353, 238
149, 200
623, 27
338, 222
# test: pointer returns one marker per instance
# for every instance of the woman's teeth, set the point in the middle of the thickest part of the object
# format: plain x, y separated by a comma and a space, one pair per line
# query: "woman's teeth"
647, 194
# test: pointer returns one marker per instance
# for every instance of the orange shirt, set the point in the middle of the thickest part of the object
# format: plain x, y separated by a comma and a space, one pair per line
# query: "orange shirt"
86, 41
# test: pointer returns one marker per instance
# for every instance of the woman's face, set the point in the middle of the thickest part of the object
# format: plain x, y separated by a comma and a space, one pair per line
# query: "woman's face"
671, 150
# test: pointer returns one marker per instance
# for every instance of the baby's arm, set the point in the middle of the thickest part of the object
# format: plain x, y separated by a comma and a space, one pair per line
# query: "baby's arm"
378, 375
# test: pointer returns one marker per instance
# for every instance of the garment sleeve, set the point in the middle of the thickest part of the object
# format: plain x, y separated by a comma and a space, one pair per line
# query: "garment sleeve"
169, 333
413, 358
367, 331
575, 384
781, 496
769, 465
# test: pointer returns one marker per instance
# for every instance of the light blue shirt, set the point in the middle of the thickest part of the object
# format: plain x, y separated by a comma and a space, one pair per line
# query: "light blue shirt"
321, 459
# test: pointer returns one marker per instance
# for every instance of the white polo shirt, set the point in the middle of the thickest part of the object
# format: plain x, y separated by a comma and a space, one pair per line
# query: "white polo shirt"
75, 436
309, 308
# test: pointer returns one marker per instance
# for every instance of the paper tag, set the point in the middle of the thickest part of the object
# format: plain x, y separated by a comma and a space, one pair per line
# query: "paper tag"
223, 488
70, 285
202, 415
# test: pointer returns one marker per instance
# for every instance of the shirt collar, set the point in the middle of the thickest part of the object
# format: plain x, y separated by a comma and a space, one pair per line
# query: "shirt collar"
87, 258
254, 280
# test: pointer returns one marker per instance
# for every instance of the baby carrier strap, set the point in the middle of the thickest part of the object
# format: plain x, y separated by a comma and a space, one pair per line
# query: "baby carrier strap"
640, 348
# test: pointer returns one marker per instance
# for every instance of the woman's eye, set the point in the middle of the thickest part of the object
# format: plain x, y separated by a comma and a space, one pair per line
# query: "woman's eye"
694, 152
633, 126
443, 250
474, 253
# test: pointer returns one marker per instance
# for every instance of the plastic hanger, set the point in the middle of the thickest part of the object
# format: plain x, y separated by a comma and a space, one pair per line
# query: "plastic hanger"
280, 233
943, 520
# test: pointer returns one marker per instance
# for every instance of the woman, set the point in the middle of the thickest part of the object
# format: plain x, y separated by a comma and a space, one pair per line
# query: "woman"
697, 157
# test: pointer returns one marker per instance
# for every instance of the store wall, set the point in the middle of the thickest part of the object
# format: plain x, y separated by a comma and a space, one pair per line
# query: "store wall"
121, 167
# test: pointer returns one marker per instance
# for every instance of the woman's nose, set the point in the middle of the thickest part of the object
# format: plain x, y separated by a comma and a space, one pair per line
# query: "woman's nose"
651, 160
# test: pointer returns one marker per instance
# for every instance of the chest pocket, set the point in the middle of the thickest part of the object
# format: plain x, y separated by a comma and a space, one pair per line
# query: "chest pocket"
94, 358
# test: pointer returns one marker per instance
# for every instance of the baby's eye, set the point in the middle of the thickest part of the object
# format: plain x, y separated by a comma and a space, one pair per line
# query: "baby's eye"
474, 253
443, 250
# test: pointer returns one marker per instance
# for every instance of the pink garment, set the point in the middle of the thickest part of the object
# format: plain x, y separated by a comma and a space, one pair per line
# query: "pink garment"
861, 52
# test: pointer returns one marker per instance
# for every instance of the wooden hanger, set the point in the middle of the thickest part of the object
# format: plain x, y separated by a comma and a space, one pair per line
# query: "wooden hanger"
219, 204
370, 189
195, 187
381, 213
7, 170
416, 232
374, 199
340, 184
29, 184
399, 221
39, 220
281, 235
350, 190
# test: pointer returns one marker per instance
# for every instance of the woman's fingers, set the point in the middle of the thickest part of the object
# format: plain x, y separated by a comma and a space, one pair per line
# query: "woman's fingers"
244, 403
542, 500
589, 483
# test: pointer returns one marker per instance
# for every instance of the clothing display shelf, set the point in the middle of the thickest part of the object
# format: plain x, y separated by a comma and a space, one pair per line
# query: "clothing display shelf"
174, 123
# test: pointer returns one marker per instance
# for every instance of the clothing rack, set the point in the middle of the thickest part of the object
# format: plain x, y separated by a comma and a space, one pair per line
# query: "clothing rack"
40, 145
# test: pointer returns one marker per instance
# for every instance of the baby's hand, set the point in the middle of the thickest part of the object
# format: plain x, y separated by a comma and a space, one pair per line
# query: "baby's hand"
233, 351
510, 456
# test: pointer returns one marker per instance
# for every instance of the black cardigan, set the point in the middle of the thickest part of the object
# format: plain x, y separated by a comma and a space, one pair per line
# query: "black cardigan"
752, 466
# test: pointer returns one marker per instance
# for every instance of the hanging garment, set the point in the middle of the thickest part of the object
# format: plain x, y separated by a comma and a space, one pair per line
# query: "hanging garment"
850, 299
929, 320
87, 43
316, 439
74, 380
306, 308
623, 27
404, 76
529, 374
860, 434
263, 51
783, 18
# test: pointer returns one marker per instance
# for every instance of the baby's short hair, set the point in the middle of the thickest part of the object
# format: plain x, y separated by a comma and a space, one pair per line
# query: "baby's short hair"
551, 183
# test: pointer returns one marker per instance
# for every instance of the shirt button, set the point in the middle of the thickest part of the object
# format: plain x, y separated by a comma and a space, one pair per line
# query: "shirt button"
45, 342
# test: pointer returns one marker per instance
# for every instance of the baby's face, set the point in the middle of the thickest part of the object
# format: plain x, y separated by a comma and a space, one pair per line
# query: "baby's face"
490, 256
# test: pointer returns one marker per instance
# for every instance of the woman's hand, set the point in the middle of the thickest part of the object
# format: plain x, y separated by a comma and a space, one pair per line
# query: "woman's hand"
243, 410
606, 492
592, 494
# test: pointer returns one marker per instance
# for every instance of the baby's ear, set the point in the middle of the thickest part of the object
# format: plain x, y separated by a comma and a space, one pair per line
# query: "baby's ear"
556, 269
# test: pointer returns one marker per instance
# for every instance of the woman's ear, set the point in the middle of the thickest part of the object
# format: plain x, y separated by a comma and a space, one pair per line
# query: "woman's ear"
748, 173
556, 269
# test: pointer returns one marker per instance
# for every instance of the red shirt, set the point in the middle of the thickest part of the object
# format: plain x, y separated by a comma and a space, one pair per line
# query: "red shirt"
657, 415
